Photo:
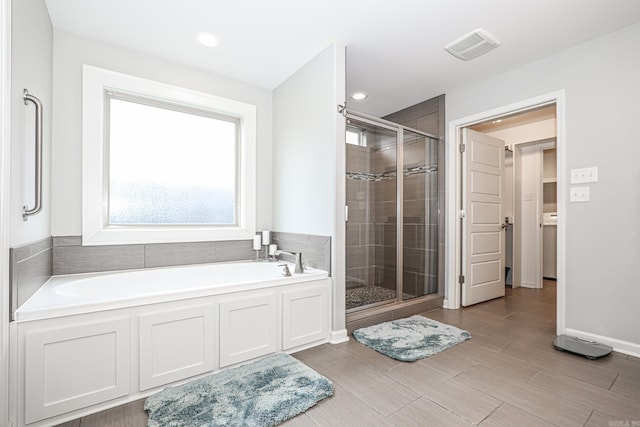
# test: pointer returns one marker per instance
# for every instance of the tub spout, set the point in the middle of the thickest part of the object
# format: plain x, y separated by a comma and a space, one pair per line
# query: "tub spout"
298, 260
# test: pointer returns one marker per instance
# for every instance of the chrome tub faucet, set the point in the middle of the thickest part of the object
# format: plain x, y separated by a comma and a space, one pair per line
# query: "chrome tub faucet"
298, 259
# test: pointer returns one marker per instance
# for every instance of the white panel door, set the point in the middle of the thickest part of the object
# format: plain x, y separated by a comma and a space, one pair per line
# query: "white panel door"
74, 367
248, 328
176, 344
484, 235
305, 315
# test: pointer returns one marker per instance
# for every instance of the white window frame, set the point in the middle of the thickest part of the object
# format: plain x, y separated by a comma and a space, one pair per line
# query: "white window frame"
95, 231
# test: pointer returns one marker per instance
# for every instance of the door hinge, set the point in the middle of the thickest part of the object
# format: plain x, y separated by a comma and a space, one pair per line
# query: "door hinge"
346, 213
461, 280
462, 148
462, 214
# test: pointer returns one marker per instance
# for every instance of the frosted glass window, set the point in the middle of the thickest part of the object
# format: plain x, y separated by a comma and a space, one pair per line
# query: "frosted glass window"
354, 137
161, 163
170, 164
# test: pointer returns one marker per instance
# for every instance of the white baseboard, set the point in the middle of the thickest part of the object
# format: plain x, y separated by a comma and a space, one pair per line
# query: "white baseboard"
337, 337
529, 285
620, 346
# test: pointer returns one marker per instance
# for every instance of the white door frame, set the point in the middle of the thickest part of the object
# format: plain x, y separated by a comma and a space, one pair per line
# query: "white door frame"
5, 140
454, 185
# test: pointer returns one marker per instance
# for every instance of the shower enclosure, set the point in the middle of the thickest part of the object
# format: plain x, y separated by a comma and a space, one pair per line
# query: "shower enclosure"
392, 218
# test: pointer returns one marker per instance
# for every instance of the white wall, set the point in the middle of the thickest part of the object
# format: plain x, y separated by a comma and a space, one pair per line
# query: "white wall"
530, 176
304, 175
70, 53
536, 131
31, 65
528, 132
5, 203
600, 79
309, 162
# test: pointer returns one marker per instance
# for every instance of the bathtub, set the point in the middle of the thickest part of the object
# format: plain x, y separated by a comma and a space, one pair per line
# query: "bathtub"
88, 342
83, 293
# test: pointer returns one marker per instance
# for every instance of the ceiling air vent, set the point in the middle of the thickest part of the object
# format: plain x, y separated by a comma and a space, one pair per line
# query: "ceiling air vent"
472, 45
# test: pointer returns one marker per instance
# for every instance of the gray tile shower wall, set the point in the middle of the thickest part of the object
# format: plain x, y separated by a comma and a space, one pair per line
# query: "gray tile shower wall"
360, 242
316, 250
70, 257
30, 266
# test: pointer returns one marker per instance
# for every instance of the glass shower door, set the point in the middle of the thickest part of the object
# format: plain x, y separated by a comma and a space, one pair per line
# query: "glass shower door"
392, 224
372, 214
419, 215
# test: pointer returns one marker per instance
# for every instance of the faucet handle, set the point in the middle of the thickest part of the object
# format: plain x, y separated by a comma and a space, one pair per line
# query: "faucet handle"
285, 271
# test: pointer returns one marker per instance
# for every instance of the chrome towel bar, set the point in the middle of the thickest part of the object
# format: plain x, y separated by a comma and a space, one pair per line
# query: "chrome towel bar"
38, 202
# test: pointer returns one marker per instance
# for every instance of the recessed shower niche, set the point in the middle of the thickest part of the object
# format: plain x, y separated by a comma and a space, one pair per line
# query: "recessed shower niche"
392, 218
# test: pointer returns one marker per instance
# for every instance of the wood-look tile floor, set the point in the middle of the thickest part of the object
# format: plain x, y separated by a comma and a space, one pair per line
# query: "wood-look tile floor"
508, 374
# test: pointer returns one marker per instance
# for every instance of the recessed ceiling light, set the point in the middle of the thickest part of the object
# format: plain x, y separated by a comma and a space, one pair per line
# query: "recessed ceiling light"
207, 39
359, 96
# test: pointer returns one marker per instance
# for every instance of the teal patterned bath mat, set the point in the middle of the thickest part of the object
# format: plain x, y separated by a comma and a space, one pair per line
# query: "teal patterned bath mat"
263, 393
410, 339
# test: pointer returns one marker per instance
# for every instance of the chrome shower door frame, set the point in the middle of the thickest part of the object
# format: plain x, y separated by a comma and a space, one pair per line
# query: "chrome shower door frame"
399, 129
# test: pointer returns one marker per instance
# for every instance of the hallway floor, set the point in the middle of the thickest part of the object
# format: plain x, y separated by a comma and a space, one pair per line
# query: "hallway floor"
508, 374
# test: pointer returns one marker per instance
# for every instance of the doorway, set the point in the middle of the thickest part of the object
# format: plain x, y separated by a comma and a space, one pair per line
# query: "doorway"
529, 206
455, 188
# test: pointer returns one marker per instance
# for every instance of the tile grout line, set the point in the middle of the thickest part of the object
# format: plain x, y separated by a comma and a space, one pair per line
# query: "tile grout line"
589, 417
459, 415
491, 413
309, 415
420, 396
613, 382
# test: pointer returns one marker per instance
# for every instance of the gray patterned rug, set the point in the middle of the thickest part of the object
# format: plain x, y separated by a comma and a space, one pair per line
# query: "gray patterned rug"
410, 339
263, 393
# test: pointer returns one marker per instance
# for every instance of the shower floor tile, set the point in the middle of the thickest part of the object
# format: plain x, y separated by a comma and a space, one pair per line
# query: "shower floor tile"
365, 295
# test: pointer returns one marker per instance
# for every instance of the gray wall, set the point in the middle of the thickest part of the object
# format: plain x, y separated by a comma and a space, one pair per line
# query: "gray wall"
31, 265
600, 79
316, 250
31, 68
70, 257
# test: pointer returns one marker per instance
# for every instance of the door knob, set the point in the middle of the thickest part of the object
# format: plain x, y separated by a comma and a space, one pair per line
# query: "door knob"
503, 226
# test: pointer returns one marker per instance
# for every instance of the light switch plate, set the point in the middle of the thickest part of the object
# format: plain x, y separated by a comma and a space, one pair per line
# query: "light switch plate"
584, 175
579, 194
